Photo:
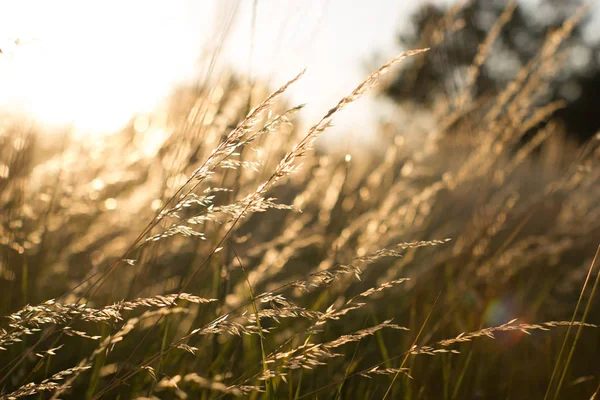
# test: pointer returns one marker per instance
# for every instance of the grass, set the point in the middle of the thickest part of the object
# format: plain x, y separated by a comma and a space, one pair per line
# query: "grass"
216, 253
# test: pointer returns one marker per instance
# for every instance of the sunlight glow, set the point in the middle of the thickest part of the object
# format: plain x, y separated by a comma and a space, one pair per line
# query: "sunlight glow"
92, 66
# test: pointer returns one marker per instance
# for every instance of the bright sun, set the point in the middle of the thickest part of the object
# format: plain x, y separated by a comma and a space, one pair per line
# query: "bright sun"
91, 66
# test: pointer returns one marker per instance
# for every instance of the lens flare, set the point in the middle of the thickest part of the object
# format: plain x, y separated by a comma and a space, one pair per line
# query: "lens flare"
498, 312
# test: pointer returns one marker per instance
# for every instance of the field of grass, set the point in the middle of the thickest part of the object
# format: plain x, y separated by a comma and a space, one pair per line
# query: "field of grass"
211, 251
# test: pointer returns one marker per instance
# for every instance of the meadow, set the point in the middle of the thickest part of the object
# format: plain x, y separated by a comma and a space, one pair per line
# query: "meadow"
211, 250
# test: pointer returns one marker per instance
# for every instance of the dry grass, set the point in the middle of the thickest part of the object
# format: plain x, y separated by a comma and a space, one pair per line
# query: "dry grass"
259, 267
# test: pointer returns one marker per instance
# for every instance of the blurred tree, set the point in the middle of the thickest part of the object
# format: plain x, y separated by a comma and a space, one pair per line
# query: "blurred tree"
455, 35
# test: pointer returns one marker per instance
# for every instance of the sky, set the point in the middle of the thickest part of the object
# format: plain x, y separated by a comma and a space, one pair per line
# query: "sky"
92, 65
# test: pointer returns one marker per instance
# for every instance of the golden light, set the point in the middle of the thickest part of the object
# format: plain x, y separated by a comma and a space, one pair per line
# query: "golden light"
150, 141
141, 123
110, 204
92, 66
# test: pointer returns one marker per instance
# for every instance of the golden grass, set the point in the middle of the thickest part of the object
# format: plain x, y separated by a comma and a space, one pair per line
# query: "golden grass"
238, 261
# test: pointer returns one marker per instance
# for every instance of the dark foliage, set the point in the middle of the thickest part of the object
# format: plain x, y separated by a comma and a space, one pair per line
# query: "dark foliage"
455, 38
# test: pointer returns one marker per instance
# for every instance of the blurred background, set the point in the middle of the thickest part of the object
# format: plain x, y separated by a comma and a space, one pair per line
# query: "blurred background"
142, 158
92, 67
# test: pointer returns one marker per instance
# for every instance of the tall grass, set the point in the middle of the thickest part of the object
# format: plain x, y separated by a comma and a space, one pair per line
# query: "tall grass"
212, 252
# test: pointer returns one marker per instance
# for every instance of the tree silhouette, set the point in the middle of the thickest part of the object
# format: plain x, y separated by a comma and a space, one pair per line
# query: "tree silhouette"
455, 34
